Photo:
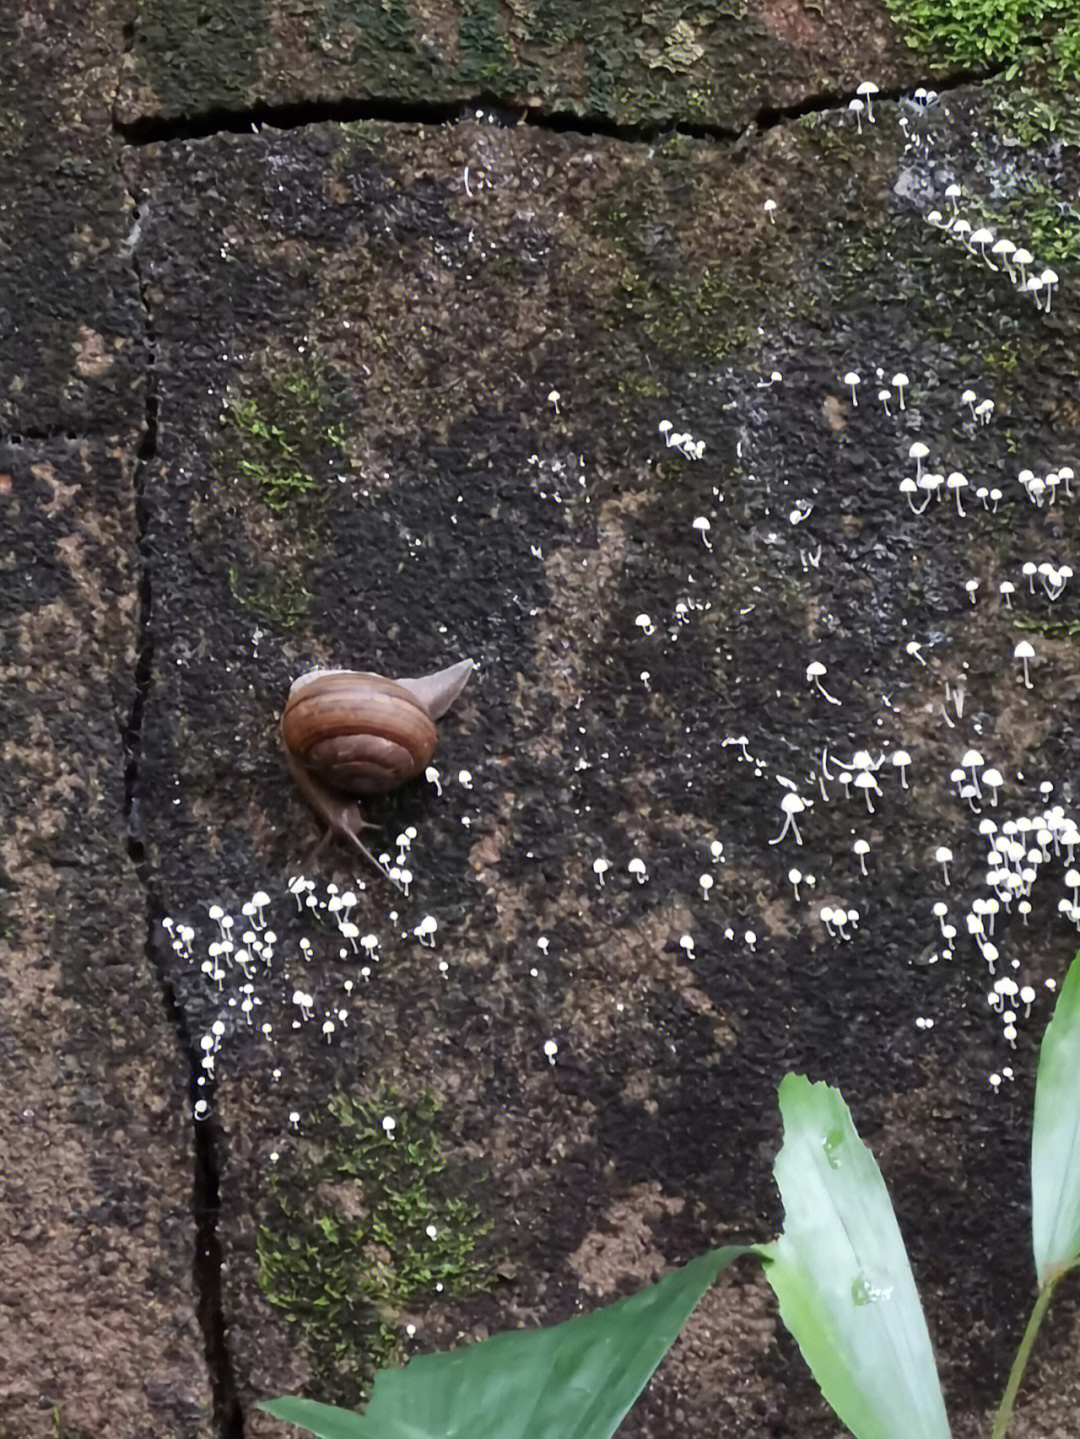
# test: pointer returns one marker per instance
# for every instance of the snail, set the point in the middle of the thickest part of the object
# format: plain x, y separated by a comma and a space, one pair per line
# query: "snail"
348, 733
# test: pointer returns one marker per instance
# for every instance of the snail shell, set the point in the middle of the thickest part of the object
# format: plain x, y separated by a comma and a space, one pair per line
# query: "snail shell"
347, 732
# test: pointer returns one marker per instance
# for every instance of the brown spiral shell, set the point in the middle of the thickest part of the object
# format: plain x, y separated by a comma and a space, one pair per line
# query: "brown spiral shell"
359, 733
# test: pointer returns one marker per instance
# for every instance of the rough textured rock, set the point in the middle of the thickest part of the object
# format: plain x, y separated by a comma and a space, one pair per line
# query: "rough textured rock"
97, 1312
473, 335
71, 361
713, 63
380, 394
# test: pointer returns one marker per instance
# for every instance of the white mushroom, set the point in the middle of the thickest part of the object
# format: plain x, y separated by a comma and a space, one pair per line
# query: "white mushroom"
901, 759
1025, 652
791, 805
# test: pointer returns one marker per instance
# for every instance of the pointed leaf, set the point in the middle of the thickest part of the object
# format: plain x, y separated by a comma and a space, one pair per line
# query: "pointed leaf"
841, 1275
1055, 1137
325, 1420
573, 1381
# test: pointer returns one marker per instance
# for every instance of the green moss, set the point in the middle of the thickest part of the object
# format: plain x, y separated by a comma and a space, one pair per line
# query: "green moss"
355, 27
692, 321
671, 57
1004, 355
486, 57
992, 32
288, 438
1039, 218
1049, 224
362, 137
361, 1225
279, 598
682, 315
1052, 629
1027, 116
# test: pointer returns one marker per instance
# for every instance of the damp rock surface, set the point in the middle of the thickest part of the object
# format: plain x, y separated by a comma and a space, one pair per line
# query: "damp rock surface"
582, 410
715, 64
741, 468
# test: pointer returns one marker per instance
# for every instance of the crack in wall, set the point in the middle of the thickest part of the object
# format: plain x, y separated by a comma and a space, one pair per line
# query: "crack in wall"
155, 129
205, 1191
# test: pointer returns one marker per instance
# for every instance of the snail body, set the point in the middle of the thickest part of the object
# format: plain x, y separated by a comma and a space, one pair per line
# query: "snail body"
349, 733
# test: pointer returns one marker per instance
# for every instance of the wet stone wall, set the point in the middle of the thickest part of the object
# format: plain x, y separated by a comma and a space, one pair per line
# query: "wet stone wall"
585, 413
744, 471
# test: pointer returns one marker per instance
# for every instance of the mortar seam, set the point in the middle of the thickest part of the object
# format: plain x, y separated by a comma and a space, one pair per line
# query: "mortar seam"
205, 1179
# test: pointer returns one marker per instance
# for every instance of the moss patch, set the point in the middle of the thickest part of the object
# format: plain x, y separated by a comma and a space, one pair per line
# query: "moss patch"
1028, 116
992, 32
279, 598
1039, 217
287, 436
361, 1225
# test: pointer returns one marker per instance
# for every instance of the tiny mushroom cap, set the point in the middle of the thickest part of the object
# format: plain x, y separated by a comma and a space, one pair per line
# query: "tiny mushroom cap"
865, 781
962, 228
957, 482
900, 384
1004, 248
1023, 257
852, 380
908, 488
1024, 652
993, 779
791, 805
918, 451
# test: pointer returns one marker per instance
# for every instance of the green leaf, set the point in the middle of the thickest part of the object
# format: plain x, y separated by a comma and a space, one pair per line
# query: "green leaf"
841, 1275
1055, 1138
574, 1381
325, 1420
